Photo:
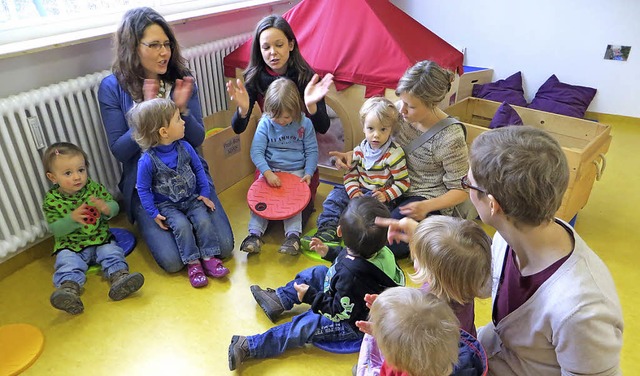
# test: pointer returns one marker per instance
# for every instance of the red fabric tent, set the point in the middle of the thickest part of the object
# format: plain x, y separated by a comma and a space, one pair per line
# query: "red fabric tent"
366, 42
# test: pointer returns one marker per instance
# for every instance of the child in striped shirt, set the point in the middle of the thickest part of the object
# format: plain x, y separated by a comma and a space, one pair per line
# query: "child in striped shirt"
378, 168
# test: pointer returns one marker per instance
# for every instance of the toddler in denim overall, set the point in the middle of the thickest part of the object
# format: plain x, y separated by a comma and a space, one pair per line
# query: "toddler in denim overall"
174, 189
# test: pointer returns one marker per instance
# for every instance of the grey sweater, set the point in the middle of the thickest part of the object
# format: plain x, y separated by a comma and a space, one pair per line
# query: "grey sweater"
572, 325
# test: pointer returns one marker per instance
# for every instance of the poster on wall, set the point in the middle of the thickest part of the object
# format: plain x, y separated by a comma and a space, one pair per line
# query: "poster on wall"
617, 52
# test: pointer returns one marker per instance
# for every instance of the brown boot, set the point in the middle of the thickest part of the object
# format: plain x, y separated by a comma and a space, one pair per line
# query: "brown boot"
67, 298
124, 284
238, 351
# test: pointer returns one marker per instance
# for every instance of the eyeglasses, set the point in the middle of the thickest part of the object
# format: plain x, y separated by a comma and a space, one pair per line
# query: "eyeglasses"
465, 184
156, 46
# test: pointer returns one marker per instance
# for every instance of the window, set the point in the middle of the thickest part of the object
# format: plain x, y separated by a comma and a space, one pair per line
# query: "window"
31, 25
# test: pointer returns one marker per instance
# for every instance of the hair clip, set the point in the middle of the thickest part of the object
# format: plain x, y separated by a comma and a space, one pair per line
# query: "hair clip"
56, 151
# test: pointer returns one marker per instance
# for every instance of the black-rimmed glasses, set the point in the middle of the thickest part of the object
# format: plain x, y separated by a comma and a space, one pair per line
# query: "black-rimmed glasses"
465, 184
156, 46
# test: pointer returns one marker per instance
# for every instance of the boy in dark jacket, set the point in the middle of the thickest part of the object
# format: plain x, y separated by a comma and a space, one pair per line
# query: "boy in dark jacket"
336, 294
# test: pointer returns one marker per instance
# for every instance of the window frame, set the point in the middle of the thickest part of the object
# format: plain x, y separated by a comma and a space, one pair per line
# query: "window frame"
34, 38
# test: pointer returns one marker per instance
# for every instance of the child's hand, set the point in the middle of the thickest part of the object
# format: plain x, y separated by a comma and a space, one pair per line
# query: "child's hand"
306, 179
80, 214
301, 289
207, 202
378, 195
100, 204
319, 247
160, 221
239, 96
182, 90
365, 327
369, 299
358, 193
272, 179
399, 230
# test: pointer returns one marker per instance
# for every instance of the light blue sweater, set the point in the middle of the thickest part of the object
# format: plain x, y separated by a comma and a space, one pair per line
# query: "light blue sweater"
285, 148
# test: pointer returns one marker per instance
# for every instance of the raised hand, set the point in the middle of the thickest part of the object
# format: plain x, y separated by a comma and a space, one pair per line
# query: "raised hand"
319, 247
239, 96
316, 90
182, 90
150, 88
399, 230
342, 160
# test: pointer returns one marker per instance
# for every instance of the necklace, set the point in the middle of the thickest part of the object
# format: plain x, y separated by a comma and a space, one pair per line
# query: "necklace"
161, 90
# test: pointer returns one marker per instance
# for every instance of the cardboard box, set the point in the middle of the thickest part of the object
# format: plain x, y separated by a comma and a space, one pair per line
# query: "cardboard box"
227, 153
584, 142
470, 77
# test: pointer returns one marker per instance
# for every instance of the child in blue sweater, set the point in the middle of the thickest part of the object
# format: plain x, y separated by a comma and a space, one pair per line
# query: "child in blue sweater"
284, 141
173, 187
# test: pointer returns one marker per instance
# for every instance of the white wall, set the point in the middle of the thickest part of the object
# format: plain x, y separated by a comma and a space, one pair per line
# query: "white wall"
34, 70
544, 37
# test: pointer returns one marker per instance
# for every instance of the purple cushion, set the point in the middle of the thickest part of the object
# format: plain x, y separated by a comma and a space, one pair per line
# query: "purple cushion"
564, 99
505, 115
508, 90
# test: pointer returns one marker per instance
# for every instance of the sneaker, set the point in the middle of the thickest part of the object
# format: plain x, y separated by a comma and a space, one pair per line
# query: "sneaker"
327, 235
124, 284
238, 351
213, 268
251, 244
67, 298
269, 301
291, 245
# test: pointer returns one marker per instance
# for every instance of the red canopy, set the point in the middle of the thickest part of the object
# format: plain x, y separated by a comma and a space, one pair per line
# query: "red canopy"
366, 42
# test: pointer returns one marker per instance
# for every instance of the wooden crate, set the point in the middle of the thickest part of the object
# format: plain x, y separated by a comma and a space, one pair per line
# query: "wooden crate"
227, 153
584, 142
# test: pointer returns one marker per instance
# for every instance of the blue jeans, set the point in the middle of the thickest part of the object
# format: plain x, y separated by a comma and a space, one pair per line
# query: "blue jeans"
72, 266
192, 228
335, 204
258, 225
303, 328
162, 244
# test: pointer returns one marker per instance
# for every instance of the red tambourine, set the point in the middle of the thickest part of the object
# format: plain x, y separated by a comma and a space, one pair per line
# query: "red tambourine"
275, 203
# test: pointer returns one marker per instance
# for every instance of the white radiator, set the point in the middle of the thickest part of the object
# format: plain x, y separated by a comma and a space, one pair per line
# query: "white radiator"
69, 111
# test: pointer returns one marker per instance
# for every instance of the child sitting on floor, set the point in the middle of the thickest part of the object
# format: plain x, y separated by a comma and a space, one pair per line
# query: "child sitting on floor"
174, 189
284, 141
452, 260
77, 210
418, 334
336, 294
378, 167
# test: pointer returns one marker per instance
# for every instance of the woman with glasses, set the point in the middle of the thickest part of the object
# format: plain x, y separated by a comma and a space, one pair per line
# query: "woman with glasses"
436, 165
555, 306
148, 64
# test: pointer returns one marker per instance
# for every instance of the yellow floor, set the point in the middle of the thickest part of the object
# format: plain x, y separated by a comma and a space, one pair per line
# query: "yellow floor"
170, 328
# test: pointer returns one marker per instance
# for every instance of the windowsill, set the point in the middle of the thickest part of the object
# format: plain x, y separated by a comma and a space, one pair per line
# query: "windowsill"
76, 37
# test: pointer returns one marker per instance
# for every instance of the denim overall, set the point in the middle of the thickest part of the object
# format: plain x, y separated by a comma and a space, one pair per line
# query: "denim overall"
188, 218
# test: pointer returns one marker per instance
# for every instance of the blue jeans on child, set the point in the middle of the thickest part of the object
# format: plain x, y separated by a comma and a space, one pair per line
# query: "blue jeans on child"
303, 328
335, 204
192, 228
72, 266
162, 244
258, 225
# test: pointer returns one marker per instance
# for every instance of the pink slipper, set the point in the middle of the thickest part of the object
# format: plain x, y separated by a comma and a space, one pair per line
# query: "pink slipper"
196, 275
214, 268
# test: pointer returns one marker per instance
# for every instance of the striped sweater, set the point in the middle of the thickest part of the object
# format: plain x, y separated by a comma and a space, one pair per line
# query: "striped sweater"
389, 174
